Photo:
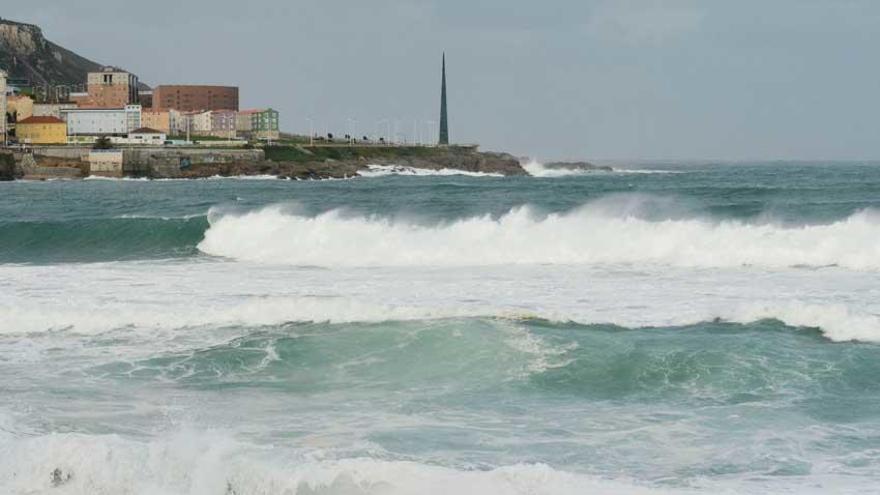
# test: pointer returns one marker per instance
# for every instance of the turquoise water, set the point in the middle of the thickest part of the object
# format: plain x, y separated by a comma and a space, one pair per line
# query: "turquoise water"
672, 329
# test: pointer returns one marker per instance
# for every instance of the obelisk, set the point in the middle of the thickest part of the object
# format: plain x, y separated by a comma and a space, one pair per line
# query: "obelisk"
444, 123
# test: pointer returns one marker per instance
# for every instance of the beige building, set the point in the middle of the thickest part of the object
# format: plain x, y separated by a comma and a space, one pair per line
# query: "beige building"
244, 121
41, 130
105, 163
201, 123
19, 107
51, 109
109, 88
167, 121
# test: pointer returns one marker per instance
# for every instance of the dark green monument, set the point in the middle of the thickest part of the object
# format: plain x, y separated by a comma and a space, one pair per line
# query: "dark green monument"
444, 124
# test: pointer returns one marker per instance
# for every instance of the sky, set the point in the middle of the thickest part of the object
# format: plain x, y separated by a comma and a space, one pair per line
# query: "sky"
564, 79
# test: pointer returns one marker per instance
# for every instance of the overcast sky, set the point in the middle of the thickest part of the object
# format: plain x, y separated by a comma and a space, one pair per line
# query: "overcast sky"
613, 79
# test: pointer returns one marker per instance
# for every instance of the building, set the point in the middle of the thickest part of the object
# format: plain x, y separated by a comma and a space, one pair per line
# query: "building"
258, 124
195, 98
102, 121
41, 130
51, 109
264, 124
244, 121
145, 135
105, 163
166, 121
223, 123
201, 123
109, 88
145, 98
3, 129
19, 107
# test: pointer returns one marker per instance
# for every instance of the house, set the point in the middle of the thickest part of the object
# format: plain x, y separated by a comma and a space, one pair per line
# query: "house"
41, 130
145, 135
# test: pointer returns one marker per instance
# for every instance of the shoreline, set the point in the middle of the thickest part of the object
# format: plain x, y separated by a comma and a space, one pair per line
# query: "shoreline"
285, 162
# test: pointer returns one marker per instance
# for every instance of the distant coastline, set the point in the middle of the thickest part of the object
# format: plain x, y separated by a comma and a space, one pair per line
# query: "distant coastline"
288, 161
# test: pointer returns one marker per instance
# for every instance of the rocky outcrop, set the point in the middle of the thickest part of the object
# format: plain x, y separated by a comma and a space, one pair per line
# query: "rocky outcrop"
7, 166
316, 163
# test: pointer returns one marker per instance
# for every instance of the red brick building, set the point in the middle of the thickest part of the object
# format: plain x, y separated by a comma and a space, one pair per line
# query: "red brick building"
195, 98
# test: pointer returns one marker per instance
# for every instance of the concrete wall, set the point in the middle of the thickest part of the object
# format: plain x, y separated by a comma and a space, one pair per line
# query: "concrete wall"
157, 161
167, 162
27, 168
65, 152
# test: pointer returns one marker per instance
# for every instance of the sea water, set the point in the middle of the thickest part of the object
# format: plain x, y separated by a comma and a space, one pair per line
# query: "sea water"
674, 328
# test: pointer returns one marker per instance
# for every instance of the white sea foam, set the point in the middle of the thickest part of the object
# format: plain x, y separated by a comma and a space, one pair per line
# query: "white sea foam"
538, 169
164, 297
243, 177
589, 235
386, 170
837, 321
211, 463
117, 179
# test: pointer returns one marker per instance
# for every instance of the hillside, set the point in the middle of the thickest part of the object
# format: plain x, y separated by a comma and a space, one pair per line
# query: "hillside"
26, 54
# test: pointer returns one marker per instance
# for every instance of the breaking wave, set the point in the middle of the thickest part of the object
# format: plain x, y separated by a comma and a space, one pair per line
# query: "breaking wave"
211, 463
593, 234
386, 170
537, 169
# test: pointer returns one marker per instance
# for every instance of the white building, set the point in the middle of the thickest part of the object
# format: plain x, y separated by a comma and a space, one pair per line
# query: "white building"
201, 123
3, 106
147, 136
102, 121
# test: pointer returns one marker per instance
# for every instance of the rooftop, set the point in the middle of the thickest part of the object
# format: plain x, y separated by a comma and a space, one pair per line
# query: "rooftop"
146, 130
41, 120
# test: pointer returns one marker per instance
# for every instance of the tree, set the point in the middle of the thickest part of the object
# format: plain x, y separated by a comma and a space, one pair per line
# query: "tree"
103, 143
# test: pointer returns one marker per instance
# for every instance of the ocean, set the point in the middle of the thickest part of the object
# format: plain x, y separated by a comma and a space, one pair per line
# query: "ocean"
662, 329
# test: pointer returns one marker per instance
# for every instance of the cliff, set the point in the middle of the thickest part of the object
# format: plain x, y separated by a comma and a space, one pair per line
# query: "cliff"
26, 54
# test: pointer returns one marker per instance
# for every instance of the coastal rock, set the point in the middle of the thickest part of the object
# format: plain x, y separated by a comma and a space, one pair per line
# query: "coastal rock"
302, 162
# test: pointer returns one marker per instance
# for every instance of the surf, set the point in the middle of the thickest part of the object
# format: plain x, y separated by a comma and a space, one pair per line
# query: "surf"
591, 234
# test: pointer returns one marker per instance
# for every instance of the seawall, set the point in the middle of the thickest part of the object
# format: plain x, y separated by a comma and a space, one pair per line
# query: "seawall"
159, 162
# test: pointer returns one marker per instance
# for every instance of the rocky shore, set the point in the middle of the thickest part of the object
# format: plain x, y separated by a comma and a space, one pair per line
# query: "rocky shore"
285, 162
303, 162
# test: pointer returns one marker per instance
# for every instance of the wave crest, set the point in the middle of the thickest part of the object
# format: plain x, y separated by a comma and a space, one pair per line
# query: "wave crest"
589, 235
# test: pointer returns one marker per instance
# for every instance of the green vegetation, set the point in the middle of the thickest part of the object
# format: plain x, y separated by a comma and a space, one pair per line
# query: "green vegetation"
198, 138
340, 153
103, 143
